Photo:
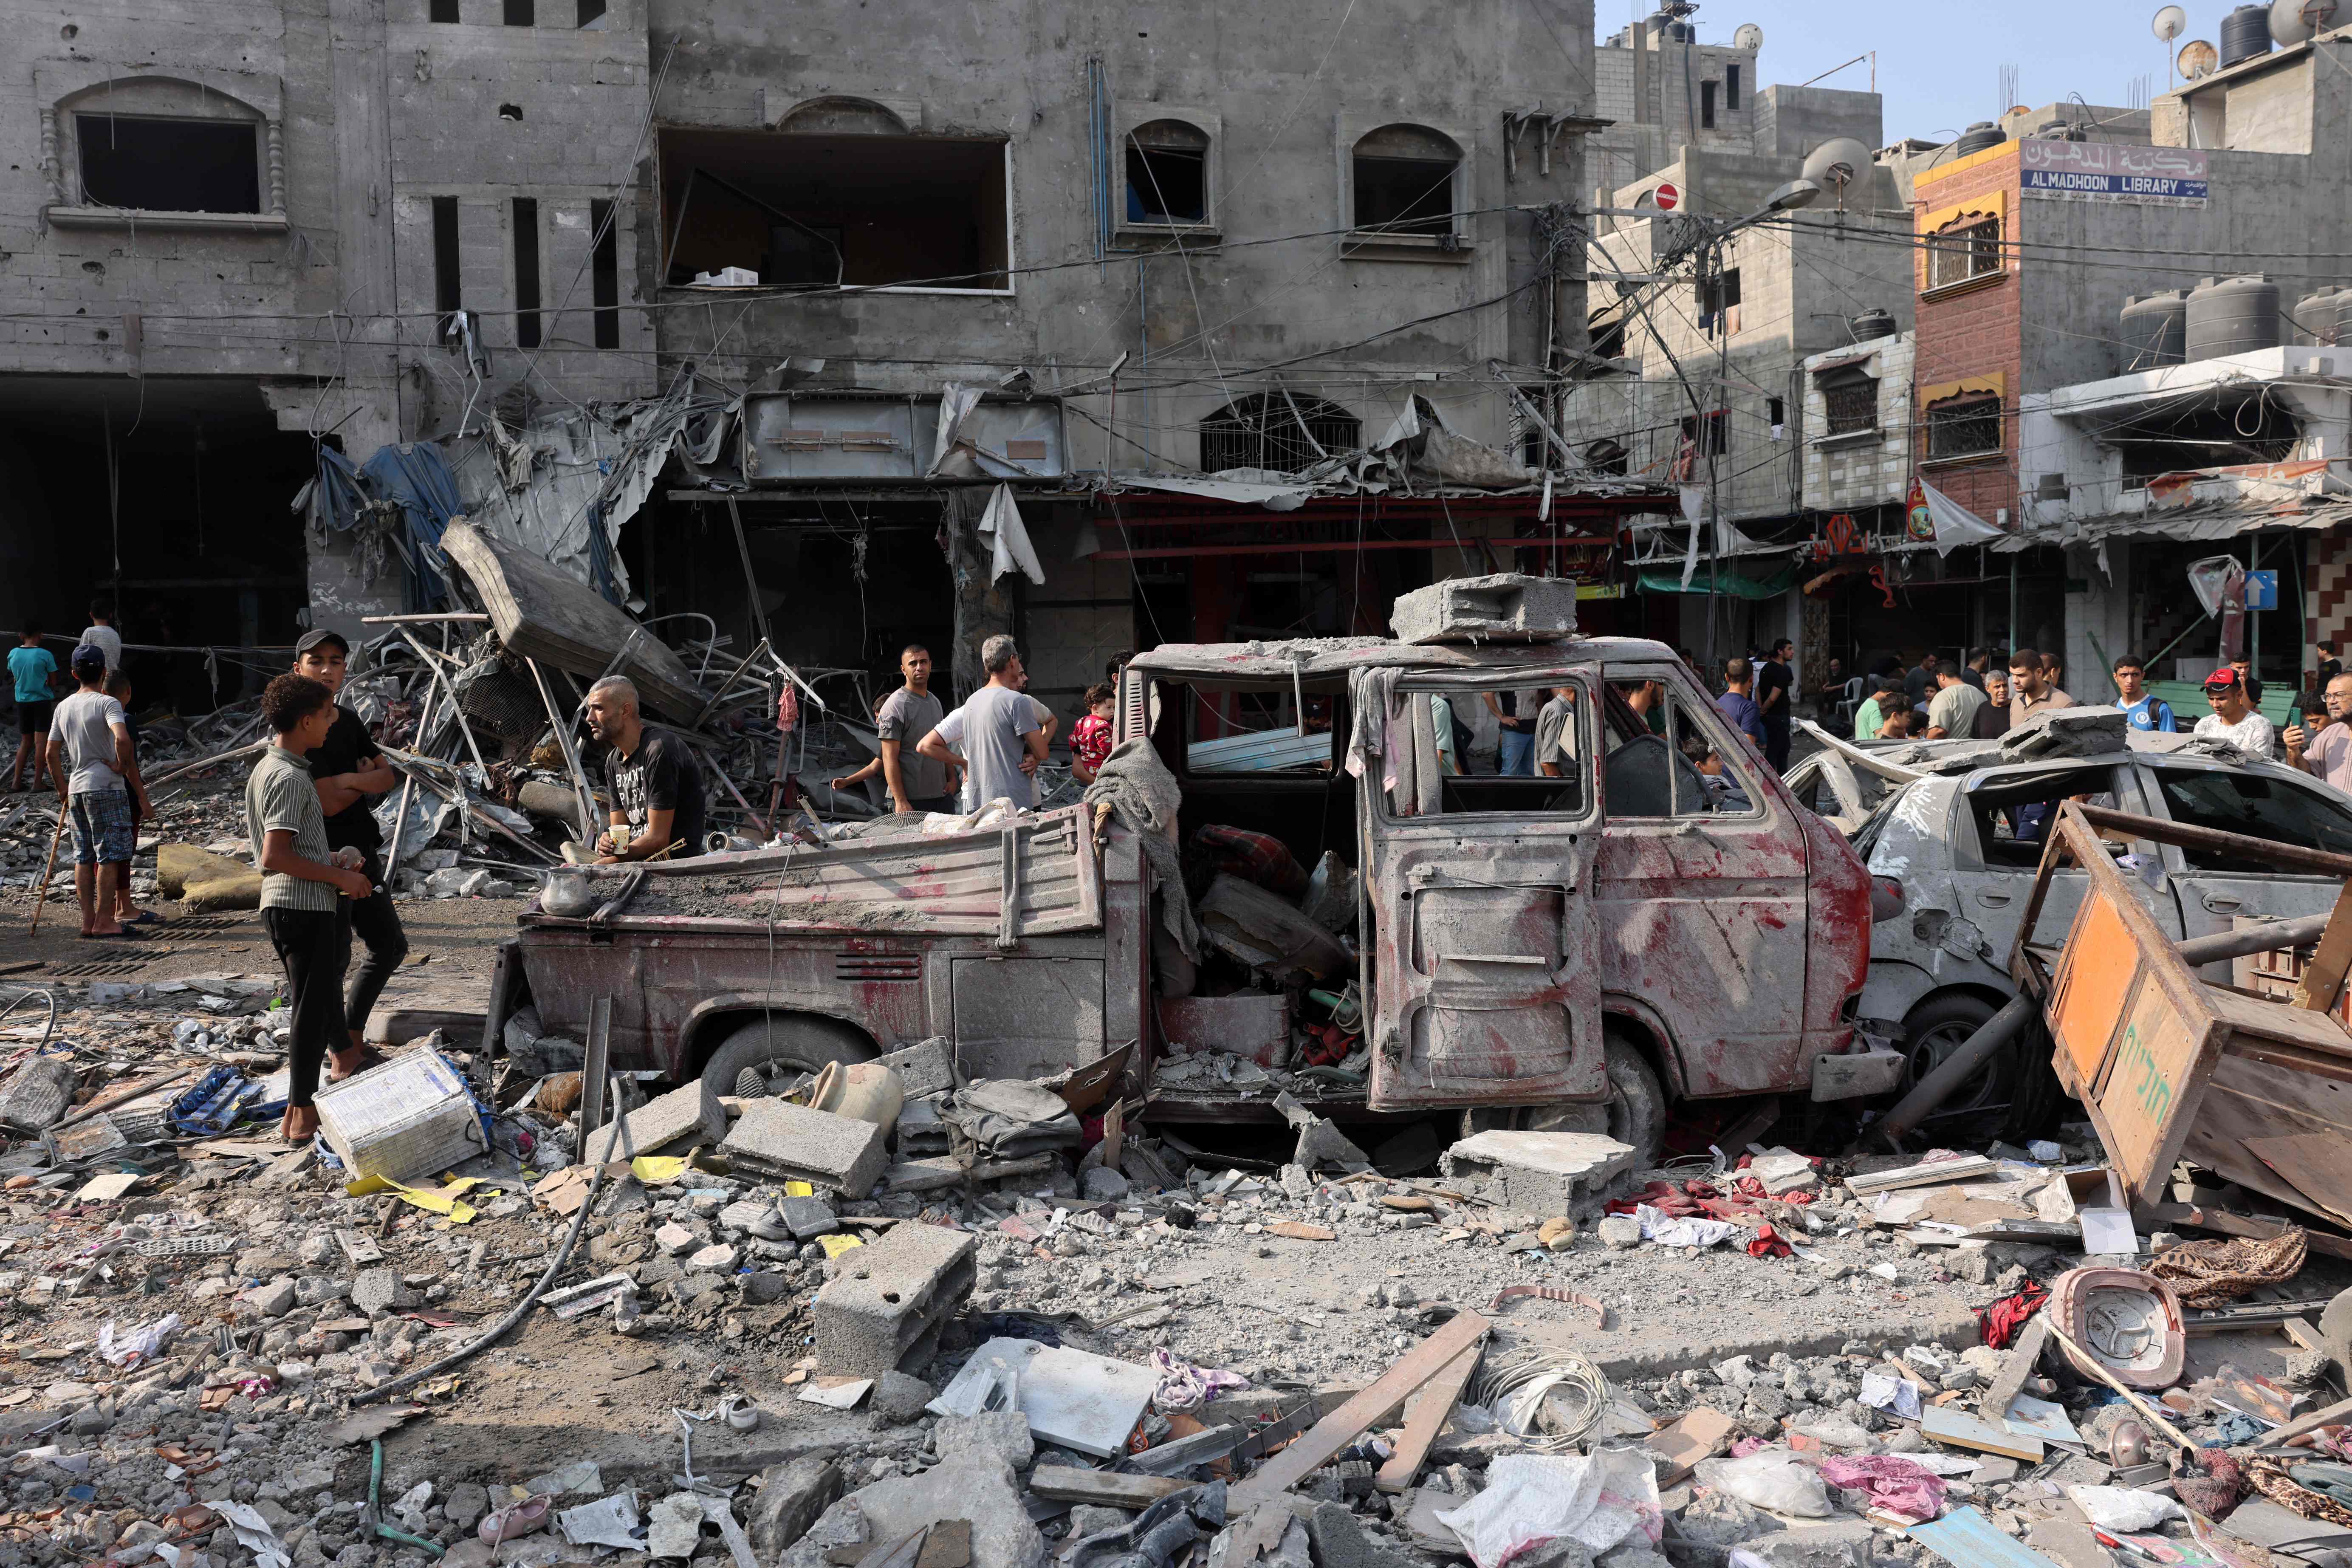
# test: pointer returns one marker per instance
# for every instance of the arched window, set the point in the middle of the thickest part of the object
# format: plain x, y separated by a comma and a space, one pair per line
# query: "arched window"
1404, 178
1167, 174
1281, 432
842, 117
160, 145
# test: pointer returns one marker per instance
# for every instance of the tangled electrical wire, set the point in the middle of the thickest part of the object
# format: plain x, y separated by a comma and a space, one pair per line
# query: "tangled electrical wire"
1553, 1402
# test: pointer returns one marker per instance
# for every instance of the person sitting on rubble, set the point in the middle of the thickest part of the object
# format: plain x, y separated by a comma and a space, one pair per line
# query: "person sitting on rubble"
998, 729
301, 881
654, 782
1090, 736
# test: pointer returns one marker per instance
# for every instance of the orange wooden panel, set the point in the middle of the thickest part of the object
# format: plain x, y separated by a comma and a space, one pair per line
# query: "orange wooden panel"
2156, 1057
2095, 975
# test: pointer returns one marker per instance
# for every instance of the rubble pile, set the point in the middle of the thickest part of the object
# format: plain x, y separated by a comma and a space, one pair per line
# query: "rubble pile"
883, 1315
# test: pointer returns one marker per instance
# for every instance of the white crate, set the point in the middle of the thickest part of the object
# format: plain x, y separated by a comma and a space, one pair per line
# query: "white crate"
408, 1117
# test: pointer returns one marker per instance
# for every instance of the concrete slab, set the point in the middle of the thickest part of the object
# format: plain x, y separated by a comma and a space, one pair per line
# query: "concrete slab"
1540, 1173
691, 1112
1508, 606
784, 1141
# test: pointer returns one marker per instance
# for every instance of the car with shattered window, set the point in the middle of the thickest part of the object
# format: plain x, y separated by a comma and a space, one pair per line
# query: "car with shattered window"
1952, 833
1306, 873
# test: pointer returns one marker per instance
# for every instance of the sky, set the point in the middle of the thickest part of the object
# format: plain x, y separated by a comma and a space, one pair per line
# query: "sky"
1939, 67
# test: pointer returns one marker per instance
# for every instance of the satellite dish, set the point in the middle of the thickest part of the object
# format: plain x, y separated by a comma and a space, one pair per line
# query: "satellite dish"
1837, 164
1751, 38
2170, 23
2296, 21
2198, 59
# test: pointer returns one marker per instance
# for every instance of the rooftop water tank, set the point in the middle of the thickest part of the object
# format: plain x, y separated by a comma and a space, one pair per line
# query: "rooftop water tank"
2314, 318
1984, 133
2343, 319
1874, 323
2246, 33
2155, 330
2233, 316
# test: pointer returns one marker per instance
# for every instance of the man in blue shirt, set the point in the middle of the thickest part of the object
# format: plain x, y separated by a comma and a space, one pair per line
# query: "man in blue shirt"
1737, 706
2143, 710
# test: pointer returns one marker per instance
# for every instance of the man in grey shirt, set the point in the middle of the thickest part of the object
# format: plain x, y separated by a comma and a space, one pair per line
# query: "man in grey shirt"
997, 729
1555, 732
917, 782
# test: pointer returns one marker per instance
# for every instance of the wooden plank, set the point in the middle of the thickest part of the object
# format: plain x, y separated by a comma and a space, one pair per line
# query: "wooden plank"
2310, 1421
1424, 1417
2304, 1335
1959, 1429
1068, 1483
1345, 1425
1928, 1174
2024, 1354
2323, 977
2198, 1217
1697, 1435
542, 613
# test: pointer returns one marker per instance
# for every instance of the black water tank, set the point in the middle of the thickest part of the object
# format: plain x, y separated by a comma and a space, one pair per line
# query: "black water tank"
1984, 133
1874, 323
2246, 33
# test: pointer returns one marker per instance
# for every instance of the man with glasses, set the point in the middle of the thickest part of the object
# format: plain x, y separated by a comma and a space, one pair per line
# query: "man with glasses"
2233, 719
2325, 750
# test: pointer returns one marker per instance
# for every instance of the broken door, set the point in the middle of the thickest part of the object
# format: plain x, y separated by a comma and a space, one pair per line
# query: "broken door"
1484, 947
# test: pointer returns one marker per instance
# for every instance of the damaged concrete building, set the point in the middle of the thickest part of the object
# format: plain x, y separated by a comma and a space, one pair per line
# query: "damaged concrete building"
671, 298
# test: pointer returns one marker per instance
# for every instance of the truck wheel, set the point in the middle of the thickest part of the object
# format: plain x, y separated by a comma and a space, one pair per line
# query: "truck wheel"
767, 1054
1634, 1114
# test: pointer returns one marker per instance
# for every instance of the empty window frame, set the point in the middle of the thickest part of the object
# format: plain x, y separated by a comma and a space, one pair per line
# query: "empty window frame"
802, 210
589, 14
518, 13
604, 273
1969, 251
1404, 178
1283, 432
526, 271
1659, 758
1731, 87
1167, 174
1607, 456
442, 11
1707, 90
1849, 400
1965, 427
447, 296
148, 164
1718, 302
1707, 438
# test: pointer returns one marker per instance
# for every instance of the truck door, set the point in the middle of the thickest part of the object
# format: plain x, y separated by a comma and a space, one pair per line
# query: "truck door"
1481, 936
1701, 887
2216, 890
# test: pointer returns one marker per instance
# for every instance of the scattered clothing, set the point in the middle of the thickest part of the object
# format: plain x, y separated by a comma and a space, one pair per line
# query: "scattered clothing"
2252, 734
988, 732
2212, 1273
662, 776
1895, 1483
2150, 712
279, 797
84, 725
906, 716
1997, 1324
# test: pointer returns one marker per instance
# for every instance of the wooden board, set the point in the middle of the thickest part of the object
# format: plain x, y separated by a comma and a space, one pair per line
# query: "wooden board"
1697, 1435
542, 613
1345, 1425
1068, 1483
1424, 1417
1957, 1428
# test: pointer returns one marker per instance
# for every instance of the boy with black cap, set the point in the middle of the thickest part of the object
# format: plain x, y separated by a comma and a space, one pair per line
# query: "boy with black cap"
95, 768
349, 771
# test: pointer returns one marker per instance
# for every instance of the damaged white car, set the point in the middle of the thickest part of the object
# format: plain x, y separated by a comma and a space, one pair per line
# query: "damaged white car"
1951, 833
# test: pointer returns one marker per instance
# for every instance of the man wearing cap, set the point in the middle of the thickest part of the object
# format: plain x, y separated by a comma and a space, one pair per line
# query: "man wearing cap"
91, 759
2233, 719
349, 771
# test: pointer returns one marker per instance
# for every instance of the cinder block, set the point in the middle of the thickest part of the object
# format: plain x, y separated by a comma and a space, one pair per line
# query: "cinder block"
780, 1139
926, 1066
1508, 606
1540, 1173
693, 1112
885, 1311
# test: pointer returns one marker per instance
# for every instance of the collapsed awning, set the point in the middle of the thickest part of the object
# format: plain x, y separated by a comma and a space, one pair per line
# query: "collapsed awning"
2207, 504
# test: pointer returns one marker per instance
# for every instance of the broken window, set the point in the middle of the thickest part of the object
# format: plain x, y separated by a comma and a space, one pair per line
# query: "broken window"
1707, 106
1240, 730
1404, 179
1167, 174
2013, 816
148, 164
1964, 426
803, 211
1707, 439
2258, 807
1608, 337
1969, 251
1849, 397
1606, 456
2172, 437
1280, 431
1661, 758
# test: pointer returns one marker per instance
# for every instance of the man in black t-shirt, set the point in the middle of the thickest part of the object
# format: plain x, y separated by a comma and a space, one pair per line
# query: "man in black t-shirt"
655, 783
1776, 686
349, 771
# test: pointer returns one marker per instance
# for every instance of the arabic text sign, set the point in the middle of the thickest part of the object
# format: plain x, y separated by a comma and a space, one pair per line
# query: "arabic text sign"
2105, 171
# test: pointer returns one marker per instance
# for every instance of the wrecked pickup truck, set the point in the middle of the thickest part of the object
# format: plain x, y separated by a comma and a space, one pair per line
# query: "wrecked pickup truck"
1648, 918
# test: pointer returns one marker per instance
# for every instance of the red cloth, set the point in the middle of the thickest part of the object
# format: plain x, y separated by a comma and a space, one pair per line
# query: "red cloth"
1258, 858
1090, 741
1997, 1324
1674, 1202
1768, 1243
1904, 1485
788, 708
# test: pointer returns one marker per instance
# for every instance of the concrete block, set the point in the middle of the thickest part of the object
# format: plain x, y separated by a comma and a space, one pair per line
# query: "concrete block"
971, 1486
1003, 1433
808, 1219
1508, 606
786, 1142
689, 1113
1340, 1542
1837, 1543
790, 1497
1540, 1173
926, 1066
884, 1312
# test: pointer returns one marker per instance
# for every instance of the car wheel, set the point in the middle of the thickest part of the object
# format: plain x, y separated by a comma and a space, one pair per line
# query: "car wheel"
1634, 1114
1935, 1030
768, 1054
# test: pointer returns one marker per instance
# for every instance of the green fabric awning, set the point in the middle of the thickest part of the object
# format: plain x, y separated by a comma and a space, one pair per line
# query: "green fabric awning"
1737, 584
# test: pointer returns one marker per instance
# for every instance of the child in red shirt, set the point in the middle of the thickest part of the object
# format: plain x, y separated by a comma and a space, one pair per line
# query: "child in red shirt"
1090, 736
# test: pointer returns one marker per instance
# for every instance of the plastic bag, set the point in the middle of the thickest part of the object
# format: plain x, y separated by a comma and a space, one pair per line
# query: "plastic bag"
2122, 1507
1597, 1502
1768, 1479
